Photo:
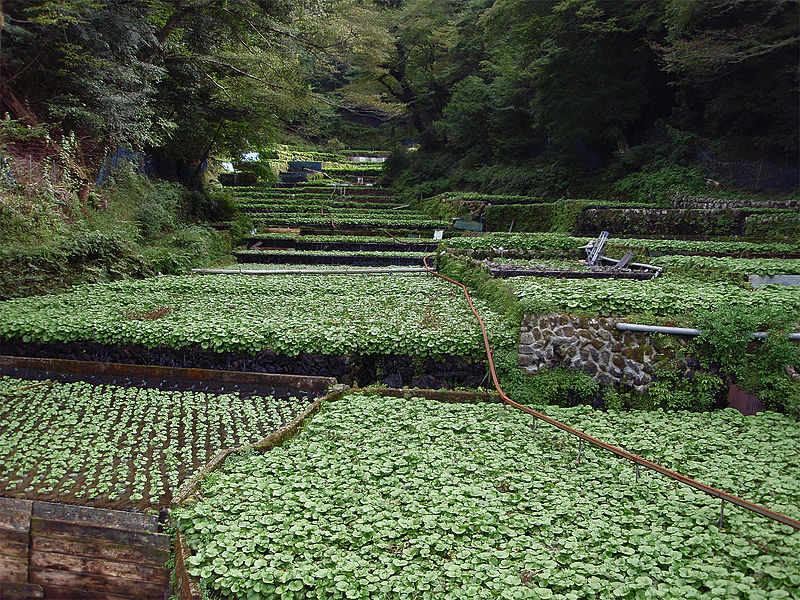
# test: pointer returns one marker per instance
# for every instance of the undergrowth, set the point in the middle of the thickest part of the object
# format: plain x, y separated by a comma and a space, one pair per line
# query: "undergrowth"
54, 235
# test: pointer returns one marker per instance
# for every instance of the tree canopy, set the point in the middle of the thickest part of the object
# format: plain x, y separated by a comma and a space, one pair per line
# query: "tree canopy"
177, 75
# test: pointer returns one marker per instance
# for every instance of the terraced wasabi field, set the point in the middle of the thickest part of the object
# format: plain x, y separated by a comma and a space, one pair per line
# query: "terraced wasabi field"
121, 447
395, 498
322, 314
330, 210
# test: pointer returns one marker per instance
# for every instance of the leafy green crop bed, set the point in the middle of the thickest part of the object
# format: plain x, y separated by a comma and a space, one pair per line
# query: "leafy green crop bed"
268, 251
552, 264
106, 445
396, 219
519, 241
744, 266
360, 239
280, 205
392, 498
318, 314
663, 296
558, 241
283, 267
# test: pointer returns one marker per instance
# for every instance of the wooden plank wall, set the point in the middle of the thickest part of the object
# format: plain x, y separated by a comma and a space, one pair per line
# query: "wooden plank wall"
59, 552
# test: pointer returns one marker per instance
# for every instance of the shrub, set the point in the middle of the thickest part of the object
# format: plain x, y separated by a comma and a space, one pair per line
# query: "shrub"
757, 366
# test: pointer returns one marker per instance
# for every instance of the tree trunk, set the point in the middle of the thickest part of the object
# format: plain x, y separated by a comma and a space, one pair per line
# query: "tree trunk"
18, 109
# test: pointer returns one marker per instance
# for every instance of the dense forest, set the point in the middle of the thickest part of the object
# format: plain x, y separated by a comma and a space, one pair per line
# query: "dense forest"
554, 89
633, 99
571, 97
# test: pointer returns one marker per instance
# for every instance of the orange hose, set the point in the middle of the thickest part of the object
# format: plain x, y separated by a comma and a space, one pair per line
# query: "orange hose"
724, 496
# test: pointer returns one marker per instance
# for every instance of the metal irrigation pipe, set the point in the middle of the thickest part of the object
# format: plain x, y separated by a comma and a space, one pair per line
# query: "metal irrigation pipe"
684, 330
711, 491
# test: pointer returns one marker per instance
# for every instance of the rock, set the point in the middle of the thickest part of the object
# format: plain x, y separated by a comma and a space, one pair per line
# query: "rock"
393, 381
605, 380
526, 338
426, 382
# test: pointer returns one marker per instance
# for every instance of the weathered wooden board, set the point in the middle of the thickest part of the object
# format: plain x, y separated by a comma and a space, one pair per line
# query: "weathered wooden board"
14, 569
44, 561
59, 551
100, 549
95, 516
82, 583
187, 588
15, 517
156, 373
13, 543
73, 531
21, 591
61, 593
15, 514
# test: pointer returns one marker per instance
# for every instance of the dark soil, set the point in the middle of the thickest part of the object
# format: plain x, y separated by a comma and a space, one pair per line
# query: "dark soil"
389, 369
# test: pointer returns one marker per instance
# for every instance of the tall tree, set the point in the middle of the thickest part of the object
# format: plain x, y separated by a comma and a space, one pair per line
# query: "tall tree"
737, 64
593, 76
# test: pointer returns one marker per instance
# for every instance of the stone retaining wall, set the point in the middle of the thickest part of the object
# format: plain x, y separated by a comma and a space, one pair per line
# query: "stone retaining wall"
592, 345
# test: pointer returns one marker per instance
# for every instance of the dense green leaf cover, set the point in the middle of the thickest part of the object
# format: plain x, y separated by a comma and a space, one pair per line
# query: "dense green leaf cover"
317, 267
327, 314
547, 264
267, 208
558, 241
672, 245
662, 296
359, 239
113, 446
267, 252
745, 266
519, 241
392, 498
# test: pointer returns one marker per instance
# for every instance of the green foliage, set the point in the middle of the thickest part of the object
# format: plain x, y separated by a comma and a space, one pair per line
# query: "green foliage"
397, 162
262, 170
773, 227
560, 216
318, 314
661, 182
666, 297
710, 266
270, 209
123, 447
756, 366
446, 511
559, 386
545, 242
735, 63
133, 227
673, 392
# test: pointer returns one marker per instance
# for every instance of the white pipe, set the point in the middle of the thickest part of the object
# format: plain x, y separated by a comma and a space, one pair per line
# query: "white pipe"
684, 330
